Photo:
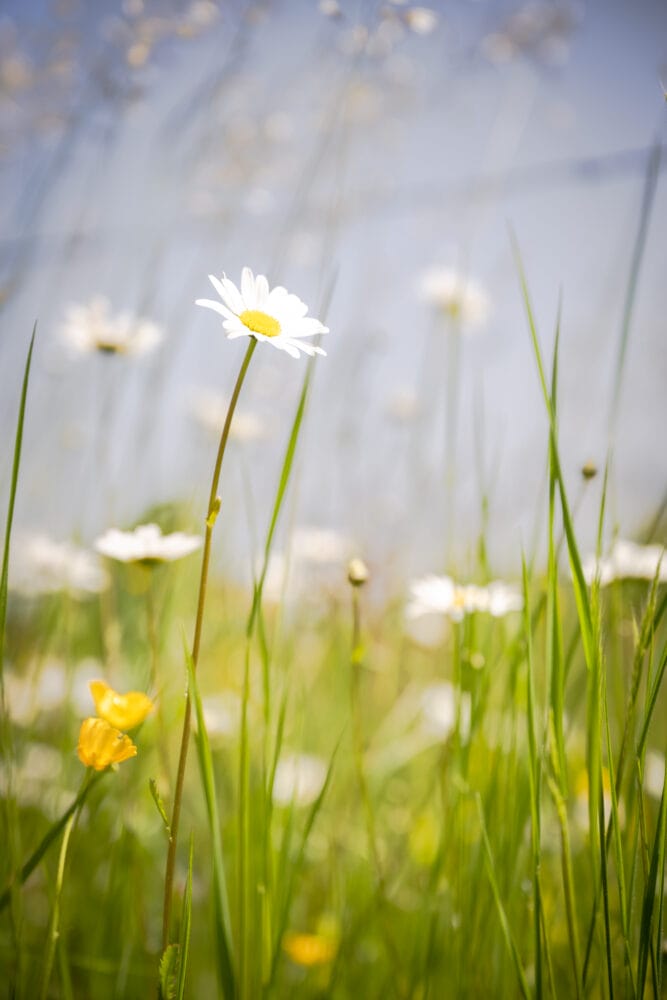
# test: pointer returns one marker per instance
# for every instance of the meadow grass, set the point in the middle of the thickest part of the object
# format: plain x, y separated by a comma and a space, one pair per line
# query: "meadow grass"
516, 850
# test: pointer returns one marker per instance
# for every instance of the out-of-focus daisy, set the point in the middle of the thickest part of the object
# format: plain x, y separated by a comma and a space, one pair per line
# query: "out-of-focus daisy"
299, 779
93, 328
123, 711
44, 566
439, 709
459, 297
330, 8
441, 595
209, 408
33, 695
421, 20
316, 563
537, 29
271, 315
100, 745
654, 774
309, 950
627, 561
320, 545
403, 405
222, 713
146, 545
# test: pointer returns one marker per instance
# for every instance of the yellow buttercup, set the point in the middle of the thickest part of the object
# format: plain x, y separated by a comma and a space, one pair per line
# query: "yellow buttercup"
100, 745
124, 711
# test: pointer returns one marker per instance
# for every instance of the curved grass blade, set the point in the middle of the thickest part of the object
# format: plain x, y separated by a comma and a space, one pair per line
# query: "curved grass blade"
186, 926
504, 922
221, 900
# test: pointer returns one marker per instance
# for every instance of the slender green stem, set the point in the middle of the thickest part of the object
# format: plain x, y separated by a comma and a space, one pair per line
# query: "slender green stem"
48, 838
54, 927
358, 752
213, 509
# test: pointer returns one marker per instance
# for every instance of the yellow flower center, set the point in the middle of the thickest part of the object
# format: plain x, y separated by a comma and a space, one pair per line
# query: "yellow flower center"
260, 322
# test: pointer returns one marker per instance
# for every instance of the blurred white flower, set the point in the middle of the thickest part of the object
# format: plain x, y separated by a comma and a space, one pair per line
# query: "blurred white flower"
441, 595
210, 409
34, 694
330, 8
654, 774
627, 560
221, 713
35, 776
146, 545
421, 20
43, 566
438, 707
458, 296
538, 29
318, 558
320, 545
271, 315
403, 405
92, 328
299, 779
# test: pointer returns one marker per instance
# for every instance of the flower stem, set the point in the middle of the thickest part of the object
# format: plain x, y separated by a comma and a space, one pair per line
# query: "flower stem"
212, 513
54, 929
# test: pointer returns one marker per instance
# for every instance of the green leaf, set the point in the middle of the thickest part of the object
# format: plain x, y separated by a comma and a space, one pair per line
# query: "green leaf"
159, 804
169, 964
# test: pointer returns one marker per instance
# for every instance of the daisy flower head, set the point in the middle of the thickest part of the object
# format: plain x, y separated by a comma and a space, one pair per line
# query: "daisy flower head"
457, 296
146, 545
92, 328
441, 595
627, 561
272, 315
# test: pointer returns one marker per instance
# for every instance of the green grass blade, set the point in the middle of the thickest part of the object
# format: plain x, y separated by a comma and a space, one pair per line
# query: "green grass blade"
504, 922
221, 900
580, 588
49, 837
650, 896
10, 512
535, 777
186, 926
12, 837
296, 866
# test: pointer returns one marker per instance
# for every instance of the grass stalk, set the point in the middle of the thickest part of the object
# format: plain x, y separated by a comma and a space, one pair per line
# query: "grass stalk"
213, 510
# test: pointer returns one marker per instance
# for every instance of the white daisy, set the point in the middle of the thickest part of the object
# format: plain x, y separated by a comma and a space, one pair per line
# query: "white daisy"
421, 20
627, 561
272, 315
146, 544
299, 779
92, 328
441, 595
439, 708
458, 296
44, 566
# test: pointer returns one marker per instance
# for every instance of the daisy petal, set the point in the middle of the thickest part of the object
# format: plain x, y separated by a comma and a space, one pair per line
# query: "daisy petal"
215, 306
248, 289
261, 291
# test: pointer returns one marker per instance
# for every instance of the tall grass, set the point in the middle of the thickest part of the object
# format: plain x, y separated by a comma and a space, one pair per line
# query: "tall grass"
515, 848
